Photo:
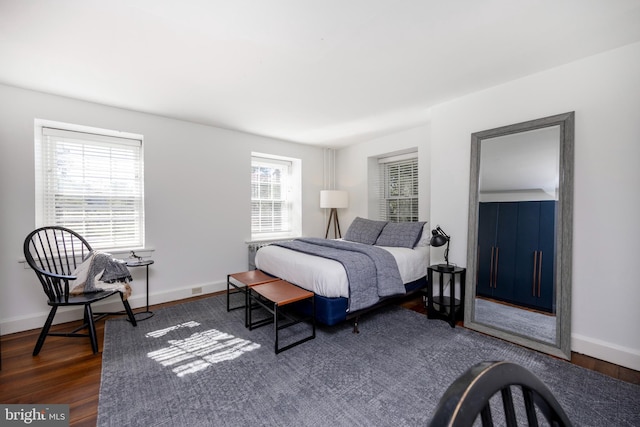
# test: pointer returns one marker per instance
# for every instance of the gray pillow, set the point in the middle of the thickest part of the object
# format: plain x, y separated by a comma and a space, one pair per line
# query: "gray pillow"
364, 231
400, 234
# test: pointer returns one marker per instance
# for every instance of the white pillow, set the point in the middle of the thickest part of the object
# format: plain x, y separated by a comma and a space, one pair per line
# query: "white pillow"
425, 238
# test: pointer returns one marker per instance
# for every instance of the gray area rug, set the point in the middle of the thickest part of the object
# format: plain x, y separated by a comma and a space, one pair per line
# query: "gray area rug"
513, 319
194, 364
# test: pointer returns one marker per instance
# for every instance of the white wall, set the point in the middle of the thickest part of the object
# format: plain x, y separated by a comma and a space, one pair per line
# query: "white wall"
604, 92
352, 170
197, 195
198, 228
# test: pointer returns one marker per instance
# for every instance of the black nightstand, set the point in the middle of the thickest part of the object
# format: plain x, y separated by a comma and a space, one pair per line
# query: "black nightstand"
448, 306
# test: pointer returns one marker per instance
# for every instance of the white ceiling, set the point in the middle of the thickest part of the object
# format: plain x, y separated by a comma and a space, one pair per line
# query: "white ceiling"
327, 72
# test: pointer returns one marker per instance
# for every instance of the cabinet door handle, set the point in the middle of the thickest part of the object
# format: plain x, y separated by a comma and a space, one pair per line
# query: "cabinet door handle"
478, 264
539, 271
535, 270
495, 276
491, 268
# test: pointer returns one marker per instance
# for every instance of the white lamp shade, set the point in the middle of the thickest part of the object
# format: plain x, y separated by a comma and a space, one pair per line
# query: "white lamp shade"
334, 199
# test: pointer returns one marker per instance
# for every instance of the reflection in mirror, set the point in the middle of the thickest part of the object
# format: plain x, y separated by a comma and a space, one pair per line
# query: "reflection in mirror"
518, 286
517, 194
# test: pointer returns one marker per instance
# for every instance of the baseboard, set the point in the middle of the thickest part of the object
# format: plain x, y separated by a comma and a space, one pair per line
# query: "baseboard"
35, 321
622, 356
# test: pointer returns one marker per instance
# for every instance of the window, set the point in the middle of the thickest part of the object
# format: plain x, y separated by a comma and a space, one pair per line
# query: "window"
91, 181
275, 197
398, 188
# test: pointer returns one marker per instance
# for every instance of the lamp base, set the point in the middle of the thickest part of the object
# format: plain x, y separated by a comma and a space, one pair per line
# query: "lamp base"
446, 267
333, 217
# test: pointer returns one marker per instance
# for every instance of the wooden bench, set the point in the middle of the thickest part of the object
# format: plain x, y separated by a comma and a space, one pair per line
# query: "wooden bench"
243, 281
273, 296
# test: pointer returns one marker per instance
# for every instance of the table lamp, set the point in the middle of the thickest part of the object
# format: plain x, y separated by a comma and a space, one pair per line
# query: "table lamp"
439, 238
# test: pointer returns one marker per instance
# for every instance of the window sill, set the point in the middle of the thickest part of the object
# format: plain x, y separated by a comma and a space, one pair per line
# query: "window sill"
121, 253
118, 253
271, 239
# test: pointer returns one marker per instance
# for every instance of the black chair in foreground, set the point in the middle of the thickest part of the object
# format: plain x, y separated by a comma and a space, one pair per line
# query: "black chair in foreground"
470, 395
54, 253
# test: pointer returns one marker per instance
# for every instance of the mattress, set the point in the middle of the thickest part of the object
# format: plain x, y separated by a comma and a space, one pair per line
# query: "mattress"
327, 277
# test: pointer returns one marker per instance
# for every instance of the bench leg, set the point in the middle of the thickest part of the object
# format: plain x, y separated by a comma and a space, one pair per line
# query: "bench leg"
276, 324
278, 327
228, 290
236, 290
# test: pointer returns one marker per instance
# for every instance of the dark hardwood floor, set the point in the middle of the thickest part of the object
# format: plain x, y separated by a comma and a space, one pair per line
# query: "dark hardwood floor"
67, 372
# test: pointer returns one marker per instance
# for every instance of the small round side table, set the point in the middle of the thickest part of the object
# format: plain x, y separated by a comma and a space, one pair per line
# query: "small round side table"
143, 263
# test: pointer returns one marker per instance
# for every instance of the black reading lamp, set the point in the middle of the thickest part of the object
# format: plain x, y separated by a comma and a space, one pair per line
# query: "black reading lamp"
439, 238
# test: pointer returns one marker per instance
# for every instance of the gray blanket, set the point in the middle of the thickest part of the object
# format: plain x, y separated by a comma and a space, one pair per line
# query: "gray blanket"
115, 270
372, 272
114, 275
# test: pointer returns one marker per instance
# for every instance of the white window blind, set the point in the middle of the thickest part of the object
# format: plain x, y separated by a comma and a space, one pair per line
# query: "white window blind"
271, 207
92, 184
399, 188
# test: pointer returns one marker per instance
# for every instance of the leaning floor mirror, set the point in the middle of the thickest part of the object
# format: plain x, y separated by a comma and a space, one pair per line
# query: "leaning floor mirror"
518, 285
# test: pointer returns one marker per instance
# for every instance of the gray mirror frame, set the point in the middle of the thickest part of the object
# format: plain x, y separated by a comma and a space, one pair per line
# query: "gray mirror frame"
564, 235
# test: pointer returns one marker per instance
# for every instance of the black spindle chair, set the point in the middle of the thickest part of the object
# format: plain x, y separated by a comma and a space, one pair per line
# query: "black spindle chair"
54, 253
473, 393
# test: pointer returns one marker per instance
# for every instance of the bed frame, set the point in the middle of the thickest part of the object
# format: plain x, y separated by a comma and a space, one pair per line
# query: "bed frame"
331, 311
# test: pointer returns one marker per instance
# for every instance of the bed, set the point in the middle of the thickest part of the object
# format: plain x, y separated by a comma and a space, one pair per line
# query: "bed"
313, 264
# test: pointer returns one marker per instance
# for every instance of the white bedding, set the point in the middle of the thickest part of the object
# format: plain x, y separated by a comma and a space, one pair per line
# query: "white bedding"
328, 277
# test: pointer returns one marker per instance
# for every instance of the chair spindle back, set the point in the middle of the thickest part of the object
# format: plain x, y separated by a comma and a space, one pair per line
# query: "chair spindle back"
54, 253
485, 385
